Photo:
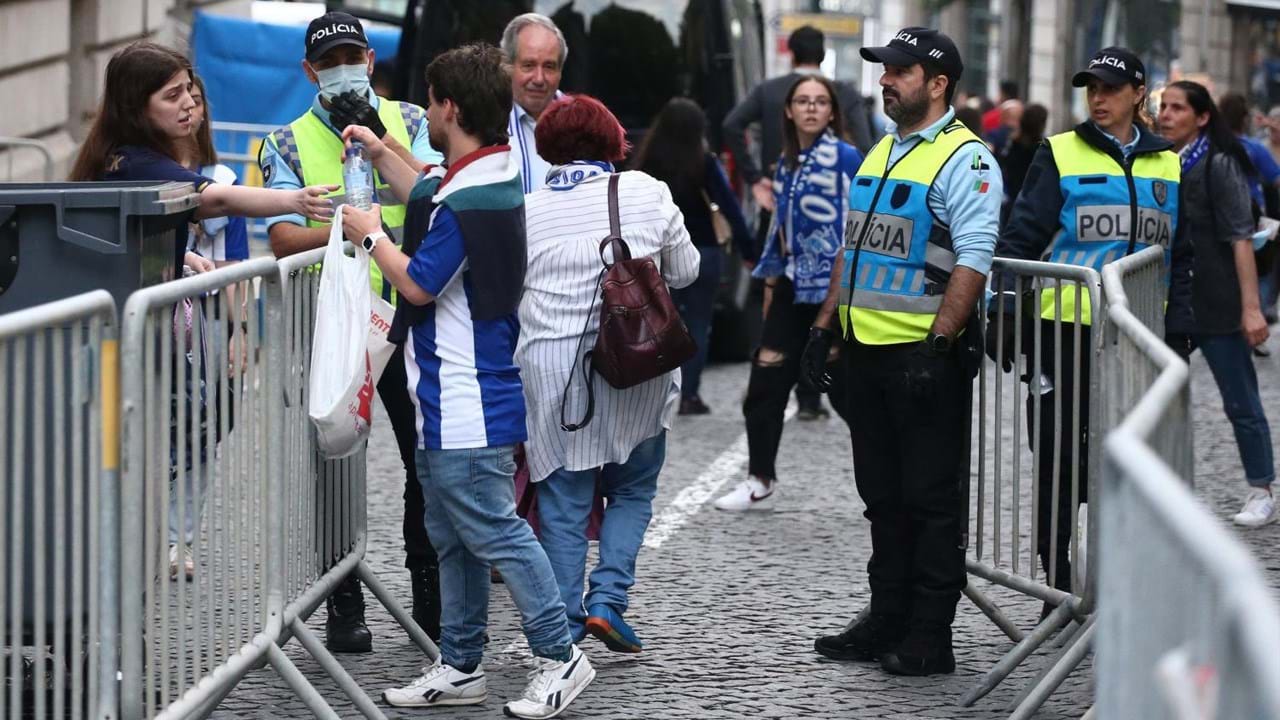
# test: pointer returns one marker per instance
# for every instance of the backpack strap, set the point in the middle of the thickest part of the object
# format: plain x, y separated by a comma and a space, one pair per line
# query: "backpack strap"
588, 370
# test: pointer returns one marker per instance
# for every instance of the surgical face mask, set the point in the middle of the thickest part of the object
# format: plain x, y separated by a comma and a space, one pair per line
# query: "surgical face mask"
343, 78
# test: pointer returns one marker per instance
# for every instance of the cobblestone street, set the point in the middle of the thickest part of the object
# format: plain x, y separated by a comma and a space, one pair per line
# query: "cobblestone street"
728, 606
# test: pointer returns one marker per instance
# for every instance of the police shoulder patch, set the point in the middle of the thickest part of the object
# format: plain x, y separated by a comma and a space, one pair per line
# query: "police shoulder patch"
1160, 190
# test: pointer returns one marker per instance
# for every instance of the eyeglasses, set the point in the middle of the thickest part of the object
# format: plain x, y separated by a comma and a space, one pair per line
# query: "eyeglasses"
821, 103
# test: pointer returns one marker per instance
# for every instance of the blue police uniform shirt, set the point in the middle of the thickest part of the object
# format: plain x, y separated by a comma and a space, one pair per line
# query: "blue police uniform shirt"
282, 177
1126, 149
466, 385
966, 195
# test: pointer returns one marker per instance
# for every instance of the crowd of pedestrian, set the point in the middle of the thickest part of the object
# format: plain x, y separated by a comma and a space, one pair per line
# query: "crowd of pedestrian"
502, 204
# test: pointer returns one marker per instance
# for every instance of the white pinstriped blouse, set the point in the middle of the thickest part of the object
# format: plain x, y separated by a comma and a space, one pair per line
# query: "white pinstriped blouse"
565, 227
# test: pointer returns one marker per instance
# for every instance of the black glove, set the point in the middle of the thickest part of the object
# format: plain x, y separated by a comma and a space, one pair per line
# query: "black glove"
813, 363
1003, 356
352, 108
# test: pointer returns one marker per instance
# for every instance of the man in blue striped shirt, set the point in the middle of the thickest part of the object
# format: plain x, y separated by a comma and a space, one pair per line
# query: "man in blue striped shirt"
460, 278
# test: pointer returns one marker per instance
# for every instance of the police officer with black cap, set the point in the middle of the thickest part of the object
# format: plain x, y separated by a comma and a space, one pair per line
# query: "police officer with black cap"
1084, 190
339, 62
923, 222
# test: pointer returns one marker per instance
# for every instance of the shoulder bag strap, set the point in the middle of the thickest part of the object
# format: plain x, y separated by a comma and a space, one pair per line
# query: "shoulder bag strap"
615, 236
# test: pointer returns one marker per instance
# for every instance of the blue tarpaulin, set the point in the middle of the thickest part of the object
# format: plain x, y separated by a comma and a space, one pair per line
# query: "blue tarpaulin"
253, 71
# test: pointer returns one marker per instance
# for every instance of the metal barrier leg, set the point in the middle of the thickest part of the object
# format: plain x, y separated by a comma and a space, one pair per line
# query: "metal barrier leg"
1030, 700
1068, 633
416, 633
996, 675
331, 665
299, 684
993, 613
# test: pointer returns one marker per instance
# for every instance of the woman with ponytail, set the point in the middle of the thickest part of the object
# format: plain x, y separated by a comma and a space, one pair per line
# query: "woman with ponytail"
1228, 315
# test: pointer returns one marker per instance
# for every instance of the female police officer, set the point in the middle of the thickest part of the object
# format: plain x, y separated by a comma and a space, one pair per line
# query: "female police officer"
1104, 190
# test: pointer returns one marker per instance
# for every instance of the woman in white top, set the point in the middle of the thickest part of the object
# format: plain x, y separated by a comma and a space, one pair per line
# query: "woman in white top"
624, 444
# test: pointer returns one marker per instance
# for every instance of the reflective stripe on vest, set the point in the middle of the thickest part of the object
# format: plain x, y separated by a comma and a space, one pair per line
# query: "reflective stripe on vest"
1100, 201
903, 256
319, 155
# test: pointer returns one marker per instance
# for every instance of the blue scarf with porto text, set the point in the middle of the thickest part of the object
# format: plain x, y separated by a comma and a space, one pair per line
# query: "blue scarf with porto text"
810, 203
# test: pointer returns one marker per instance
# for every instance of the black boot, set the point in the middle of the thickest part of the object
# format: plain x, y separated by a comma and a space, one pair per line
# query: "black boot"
345, 631
866, 641
425, 578
1061, 582
926, 650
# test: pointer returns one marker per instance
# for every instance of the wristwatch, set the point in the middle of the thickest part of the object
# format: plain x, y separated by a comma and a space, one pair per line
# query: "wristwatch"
371, 240
940, 344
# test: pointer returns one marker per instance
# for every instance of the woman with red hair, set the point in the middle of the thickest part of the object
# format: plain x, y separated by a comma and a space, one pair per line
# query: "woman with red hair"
625, 442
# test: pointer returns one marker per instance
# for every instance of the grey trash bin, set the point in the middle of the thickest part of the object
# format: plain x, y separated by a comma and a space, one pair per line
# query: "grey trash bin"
61, 239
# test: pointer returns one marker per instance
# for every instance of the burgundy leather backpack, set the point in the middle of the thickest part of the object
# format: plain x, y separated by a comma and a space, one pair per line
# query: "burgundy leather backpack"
641, 333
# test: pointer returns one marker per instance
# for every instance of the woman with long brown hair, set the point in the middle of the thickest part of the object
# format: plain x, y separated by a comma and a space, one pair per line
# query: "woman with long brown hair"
675, 151
146, 112
811, 197
224, 240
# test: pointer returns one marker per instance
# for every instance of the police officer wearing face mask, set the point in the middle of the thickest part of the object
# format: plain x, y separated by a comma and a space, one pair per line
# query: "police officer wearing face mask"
308, 151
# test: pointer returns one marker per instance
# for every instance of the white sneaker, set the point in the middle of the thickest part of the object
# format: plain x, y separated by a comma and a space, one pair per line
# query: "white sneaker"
750, 494
188, 562
552, 686
1259, 509
440, 684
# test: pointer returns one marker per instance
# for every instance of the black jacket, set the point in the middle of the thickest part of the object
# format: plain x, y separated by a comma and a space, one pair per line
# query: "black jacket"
697, 215
1034, 222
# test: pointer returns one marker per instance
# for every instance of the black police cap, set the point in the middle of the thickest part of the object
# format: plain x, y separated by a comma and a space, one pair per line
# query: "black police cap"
1113, 66
331, 30
915, 45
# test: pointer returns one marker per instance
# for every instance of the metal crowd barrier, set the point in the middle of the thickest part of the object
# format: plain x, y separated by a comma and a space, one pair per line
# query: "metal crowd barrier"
221, 468
326, 499
1020, 445
1189, 628
11, 146
200, 418
58, 517
237, 145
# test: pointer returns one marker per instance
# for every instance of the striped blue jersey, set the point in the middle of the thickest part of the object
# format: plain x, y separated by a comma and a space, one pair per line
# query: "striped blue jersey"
464, 383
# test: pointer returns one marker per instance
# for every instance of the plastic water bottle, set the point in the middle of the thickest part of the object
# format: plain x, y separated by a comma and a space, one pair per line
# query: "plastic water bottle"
357, 177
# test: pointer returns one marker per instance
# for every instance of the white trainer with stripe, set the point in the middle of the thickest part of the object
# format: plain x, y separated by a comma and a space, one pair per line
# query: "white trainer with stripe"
552, 686
440, 685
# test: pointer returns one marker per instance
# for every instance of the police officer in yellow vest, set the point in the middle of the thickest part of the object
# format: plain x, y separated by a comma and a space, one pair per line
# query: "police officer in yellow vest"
309, 151
1106, 189
923, 221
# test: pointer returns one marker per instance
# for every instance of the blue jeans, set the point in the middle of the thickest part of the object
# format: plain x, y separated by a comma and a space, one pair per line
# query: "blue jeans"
471, 519
697, 304
1231, 361
564, 504
1269, 288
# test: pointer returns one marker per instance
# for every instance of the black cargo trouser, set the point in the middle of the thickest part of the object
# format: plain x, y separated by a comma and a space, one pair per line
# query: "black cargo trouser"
1058, 423
910, 433
393, 390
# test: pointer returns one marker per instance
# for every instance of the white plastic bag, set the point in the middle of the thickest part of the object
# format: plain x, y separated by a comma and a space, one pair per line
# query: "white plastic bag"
342, 379
380, 316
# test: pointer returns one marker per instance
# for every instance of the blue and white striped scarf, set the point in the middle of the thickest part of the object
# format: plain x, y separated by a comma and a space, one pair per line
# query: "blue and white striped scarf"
565, 177
809, 212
